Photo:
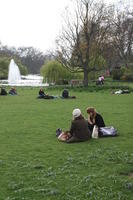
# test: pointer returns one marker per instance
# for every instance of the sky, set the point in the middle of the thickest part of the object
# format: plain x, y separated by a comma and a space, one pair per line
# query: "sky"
34, 23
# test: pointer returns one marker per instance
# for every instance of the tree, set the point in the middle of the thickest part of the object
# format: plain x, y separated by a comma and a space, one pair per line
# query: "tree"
8, 53
83, 37
54, 72
3, 68
122, 35
32, 58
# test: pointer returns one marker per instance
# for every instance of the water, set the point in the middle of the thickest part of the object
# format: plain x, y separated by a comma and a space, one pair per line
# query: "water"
14, 76
32, 80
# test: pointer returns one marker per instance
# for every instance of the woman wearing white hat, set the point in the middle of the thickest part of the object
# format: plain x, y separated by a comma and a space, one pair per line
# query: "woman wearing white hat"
79, 128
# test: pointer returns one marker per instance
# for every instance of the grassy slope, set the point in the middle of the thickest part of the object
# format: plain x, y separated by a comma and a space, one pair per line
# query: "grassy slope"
34, 165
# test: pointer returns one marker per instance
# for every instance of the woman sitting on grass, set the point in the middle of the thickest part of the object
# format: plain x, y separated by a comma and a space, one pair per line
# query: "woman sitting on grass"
79, 131
43, 95
12, 91
3, 91
94, 118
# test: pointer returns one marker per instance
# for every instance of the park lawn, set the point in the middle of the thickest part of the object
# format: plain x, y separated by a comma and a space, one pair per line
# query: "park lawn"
34, 165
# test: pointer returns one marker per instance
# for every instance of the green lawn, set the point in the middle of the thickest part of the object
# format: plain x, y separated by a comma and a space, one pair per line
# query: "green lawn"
34, 165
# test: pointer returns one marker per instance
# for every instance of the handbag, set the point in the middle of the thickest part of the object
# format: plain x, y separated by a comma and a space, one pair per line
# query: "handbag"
107, 131
95, 132
64, 136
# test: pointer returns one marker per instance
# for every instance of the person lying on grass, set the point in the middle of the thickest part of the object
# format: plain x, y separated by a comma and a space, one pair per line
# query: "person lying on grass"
79, 131
94, 118
121, 92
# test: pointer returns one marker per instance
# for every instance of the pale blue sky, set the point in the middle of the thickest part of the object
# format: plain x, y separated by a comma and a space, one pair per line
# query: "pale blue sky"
32, 22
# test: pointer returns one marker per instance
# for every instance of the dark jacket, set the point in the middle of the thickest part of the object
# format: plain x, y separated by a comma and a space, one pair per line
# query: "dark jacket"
65, 94
3, 91
41, 93
12, 92
79, 129
99, 120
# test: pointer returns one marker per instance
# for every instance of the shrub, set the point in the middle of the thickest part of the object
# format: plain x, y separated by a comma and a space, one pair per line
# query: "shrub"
62, 82
3, 68
54, 72
127, 77
117, 73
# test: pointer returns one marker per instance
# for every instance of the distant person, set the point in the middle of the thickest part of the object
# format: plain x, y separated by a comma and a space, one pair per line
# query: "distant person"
43, 95
100, 80
13, 91
3, 91
94, 118
121, 92
125, 91
65, 95
79, 131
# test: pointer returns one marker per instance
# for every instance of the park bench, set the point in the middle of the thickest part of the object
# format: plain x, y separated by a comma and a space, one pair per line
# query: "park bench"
76, 82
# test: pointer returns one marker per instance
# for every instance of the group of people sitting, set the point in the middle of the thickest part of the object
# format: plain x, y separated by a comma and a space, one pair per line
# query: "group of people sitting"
81, 129
65, 95
12, 91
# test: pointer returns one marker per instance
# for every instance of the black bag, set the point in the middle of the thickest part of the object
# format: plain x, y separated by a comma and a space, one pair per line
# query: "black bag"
109, 131
58, 132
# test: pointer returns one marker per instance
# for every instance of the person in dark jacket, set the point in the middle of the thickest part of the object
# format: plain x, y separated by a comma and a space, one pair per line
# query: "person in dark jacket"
3, 91
13, 91
79, 131
94, 118
43, 95
65, 95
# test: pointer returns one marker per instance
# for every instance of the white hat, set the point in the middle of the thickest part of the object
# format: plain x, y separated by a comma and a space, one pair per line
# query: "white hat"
76, 113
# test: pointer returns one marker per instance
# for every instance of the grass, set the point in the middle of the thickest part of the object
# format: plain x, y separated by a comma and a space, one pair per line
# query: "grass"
35, 166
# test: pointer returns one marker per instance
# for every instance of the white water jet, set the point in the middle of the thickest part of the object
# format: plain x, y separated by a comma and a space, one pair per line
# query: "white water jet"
14, 76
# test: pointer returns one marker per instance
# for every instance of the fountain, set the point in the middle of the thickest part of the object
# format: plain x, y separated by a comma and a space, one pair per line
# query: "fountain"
14, 76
